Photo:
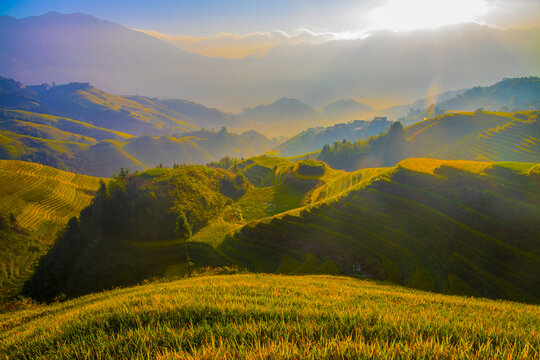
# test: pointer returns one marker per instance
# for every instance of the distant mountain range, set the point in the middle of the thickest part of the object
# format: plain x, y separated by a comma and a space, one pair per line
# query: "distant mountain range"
508, 95
346, 110
135, 115
512, 94
138, 115
77, 47
80, 128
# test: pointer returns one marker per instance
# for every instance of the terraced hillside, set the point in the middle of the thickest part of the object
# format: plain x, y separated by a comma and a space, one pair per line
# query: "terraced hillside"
455, 227
119, 230
54, 127
486, 136
42, 200
517, 139
272, 317
127, 234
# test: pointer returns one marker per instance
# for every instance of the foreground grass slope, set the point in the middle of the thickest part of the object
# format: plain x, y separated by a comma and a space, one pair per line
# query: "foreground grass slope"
42, 200
271, 316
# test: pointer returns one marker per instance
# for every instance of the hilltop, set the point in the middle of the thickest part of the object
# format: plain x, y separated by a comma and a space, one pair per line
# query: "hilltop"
346, 110
270, 316
454, 227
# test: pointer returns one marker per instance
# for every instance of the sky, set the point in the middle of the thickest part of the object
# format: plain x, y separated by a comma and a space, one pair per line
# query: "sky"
205, 18
381, 52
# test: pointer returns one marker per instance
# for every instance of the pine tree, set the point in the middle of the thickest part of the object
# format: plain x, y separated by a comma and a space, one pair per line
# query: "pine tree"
183, 231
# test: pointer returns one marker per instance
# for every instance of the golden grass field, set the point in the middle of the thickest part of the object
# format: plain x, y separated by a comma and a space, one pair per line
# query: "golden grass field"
252, 316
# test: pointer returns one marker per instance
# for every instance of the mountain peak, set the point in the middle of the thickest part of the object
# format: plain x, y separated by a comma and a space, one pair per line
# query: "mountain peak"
346, 109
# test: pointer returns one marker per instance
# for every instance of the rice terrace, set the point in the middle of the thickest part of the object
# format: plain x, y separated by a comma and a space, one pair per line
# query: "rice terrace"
270, 180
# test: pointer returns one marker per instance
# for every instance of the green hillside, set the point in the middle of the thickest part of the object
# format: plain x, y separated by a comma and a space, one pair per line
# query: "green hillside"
127, 234
54, 127
41, 200
517, 139
85, 103
129, 228
452, 227
272, 317
487, 136
78, 128
456, 227
33, 140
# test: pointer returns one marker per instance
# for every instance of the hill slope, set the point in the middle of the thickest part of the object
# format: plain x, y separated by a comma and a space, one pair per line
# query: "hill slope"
42, 200
127, 234
268, 316
453, 227
85, 103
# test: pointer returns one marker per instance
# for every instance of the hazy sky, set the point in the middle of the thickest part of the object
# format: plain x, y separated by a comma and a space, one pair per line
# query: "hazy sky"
283, 48
212, 17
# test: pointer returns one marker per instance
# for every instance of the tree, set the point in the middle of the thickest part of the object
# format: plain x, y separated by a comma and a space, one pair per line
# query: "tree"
183, 231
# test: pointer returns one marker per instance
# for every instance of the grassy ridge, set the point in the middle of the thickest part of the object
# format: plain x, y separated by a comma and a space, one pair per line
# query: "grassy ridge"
42, 199
41, 125
270, 316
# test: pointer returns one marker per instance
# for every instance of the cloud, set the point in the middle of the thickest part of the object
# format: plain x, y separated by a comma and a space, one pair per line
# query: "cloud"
256, 44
